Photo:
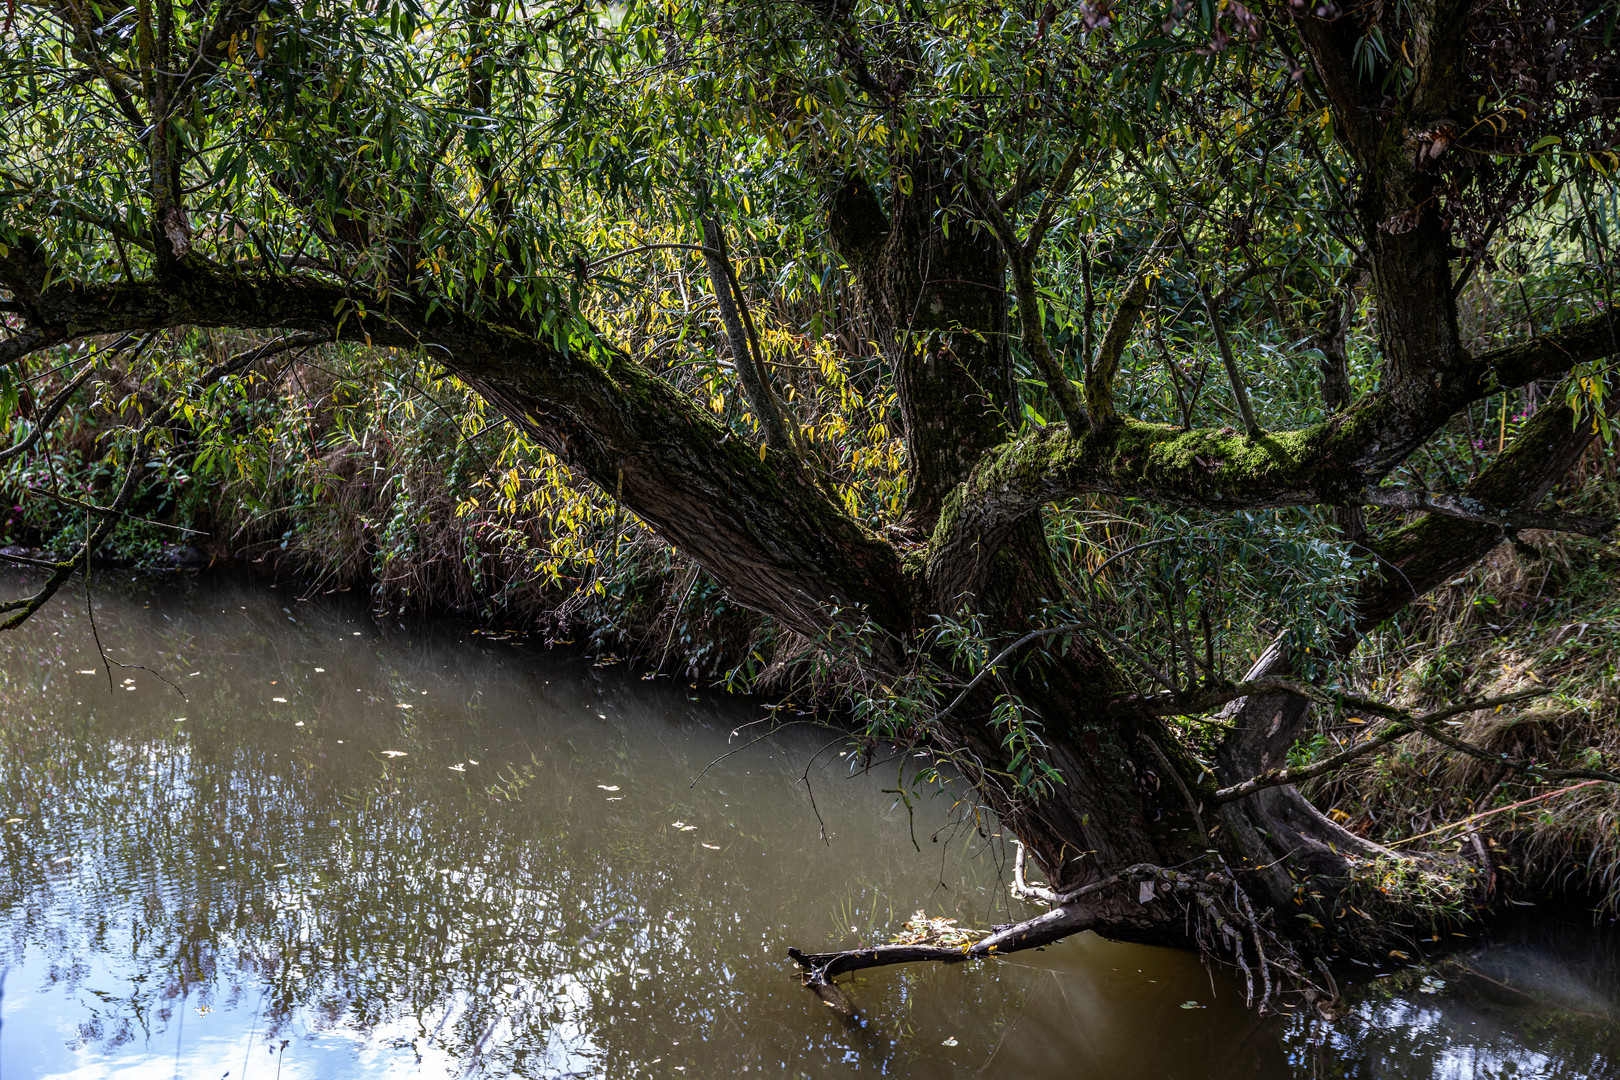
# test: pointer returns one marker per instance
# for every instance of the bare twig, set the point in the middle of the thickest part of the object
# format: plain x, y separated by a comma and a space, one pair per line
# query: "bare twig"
47, 417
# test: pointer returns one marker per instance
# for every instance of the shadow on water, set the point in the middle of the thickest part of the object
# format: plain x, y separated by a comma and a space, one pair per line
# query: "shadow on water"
352, 850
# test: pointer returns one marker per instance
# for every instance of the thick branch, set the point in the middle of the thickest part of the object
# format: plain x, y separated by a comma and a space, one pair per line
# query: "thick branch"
777, 542
1461, 506
1044, 929
1240, 392
1407, 564
746, 360
1331, 463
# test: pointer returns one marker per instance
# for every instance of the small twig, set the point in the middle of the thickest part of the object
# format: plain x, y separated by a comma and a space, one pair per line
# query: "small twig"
1002, 655
751, 742
110, 512
46, 418
1472, 818
25, 607
675, 616
1239, 390
1406, 724
650, 247
809, 789
26, 561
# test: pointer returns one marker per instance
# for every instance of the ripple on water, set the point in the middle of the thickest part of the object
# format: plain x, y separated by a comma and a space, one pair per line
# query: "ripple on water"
510, 893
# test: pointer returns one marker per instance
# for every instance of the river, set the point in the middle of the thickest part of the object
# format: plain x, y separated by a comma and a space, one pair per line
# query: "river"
288, 841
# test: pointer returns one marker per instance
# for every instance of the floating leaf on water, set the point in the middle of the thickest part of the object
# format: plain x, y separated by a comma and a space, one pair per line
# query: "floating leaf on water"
949, 1042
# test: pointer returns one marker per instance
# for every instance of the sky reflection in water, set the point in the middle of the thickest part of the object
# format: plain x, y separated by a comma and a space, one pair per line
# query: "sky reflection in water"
357, 851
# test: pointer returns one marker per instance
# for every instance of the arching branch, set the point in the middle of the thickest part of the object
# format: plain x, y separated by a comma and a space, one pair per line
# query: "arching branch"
780, 544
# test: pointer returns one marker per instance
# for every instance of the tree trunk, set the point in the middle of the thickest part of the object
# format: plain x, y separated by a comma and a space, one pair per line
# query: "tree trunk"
1128, 793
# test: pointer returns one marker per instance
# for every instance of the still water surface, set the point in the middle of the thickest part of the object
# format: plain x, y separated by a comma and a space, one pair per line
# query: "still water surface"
300, 844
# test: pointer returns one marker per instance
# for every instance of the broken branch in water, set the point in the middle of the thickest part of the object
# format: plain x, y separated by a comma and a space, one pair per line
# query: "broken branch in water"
1064, 920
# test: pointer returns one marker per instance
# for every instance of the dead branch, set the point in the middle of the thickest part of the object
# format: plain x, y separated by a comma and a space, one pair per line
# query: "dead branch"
1460, 506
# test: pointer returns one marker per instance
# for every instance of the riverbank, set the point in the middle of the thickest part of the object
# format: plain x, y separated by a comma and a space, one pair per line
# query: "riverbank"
325, 477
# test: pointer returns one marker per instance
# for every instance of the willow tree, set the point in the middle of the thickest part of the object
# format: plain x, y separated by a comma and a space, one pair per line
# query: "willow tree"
565, 208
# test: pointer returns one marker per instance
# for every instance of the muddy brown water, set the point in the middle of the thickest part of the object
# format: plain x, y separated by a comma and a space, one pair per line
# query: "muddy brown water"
297, 843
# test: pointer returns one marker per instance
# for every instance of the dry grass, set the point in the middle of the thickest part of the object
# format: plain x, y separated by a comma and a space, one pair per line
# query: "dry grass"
1547, 617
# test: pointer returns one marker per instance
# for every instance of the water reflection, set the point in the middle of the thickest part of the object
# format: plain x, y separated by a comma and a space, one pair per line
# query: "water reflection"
1542, 1000
359, 851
